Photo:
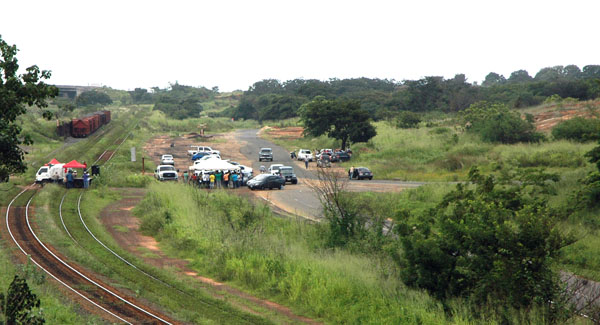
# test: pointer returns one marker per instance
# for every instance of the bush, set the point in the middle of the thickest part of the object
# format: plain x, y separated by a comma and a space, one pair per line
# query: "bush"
497, 123
577, 129
492, 245
407, 120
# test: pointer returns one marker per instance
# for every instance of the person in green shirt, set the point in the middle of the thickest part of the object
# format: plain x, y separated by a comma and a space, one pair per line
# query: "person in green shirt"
185, 176
218, 177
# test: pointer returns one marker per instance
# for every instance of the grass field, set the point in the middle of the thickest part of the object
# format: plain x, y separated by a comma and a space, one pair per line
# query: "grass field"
445, 153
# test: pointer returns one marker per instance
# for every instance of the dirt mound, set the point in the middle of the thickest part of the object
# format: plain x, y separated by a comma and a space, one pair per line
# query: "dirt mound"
290, 132
556, 113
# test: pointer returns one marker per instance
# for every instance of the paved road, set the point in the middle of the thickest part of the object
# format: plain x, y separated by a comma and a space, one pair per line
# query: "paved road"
300, 199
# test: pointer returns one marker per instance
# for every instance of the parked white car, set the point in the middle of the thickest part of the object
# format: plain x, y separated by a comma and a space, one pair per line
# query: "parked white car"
166, 173
305, 153
167, 160
274, 169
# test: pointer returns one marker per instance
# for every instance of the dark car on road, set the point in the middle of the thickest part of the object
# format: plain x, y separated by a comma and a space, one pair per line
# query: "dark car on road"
265, 154
287, 172
340, 156
264, 181
363, 172
324, 161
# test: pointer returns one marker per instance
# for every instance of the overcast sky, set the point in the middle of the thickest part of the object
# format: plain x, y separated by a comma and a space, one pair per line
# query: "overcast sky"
232, 44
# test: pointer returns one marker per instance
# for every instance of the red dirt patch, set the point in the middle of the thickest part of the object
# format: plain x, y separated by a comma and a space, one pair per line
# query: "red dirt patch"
555, 114
291, 132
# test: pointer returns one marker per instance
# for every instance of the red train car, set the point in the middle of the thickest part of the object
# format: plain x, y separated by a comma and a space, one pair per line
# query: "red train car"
84, 126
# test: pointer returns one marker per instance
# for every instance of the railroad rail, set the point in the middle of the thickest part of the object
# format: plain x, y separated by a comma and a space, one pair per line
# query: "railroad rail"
98, 294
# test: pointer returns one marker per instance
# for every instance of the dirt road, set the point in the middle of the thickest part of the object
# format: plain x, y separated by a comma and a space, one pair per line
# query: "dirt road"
300, 199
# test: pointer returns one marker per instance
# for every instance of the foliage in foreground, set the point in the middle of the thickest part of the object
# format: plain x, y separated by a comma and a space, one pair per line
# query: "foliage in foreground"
488, 244
15, 93
20, 305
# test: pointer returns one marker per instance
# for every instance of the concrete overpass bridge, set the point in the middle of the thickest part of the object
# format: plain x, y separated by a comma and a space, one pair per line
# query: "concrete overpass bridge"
72, 91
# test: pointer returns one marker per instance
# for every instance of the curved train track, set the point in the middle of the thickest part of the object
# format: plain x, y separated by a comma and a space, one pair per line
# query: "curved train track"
100, 296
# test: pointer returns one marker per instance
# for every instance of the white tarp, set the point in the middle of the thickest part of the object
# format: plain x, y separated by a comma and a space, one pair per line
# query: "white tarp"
214, 164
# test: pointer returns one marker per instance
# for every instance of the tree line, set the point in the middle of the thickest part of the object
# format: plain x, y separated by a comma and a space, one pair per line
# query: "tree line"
383, 99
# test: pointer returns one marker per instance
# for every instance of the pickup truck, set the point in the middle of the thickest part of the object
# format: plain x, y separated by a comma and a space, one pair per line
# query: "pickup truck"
265, 154
274, 169
287, 172
304, 154
165, 173
197, 149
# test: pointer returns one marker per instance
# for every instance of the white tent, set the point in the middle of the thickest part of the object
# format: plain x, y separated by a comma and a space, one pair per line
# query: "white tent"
214, 164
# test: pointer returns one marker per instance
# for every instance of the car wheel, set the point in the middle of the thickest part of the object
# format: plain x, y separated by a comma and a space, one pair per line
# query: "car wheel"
296, 182
281, 187
370, 178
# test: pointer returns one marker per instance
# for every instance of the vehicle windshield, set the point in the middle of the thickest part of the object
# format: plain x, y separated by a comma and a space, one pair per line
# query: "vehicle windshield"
265, 151
42, 170
167, 157
306, 152
363, 169
167, 168
286, 171
261, 177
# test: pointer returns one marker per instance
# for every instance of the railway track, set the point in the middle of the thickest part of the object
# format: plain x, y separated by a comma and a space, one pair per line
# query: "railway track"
100, 296
105, 299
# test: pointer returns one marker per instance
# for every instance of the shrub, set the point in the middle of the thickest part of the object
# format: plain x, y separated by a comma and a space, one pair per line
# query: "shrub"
577, 129
497, 123
492, 245
407, 120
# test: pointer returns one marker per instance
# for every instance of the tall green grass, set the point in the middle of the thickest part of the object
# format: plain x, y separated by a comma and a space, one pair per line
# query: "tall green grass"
443, 153
283, 259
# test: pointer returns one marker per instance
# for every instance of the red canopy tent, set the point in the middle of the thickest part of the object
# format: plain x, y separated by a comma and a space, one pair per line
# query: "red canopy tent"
53, 162
74, 164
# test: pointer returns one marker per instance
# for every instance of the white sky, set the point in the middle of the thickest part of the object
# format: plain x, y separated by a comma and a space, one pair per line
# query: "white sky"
232, 44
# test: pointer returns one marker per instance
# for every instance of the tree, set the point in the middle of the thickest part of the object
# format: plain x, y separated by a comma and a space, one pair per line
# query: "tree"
344, 120
19, 303
489, 243
572, 72
550, 74
493, 79
92, 97
17, 91
519, 76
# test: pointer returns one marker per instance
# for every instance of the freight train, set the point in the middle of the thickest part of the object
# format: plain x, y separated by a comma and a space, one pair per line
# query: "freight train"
83, 126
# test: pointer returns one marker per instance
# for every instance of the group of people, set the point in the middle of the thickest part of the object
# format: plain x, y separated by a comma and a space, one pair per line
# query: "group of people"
70, 179
215, 179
